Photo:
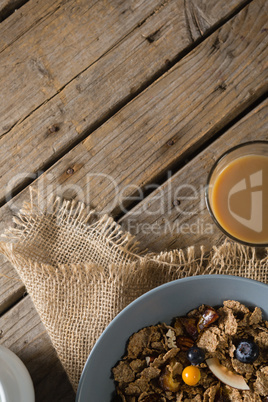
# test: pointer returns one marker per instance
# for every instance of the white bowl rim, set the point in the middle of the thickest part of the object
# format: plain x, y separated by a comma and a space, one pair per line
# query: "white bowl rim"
18, 377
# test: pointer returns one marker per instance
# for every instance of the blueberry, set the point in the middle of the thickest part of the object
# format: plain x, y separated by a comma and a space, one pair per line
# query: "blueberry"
195, 355
246, 351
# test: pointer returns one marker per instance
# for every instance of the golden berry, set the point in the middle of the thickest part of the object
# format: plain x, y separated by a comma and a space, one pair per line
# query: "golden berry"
191, 375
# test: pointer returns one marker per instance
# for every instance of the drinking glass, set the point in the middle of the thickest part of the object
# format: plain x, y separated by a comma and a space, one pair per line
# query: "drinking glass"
237, 193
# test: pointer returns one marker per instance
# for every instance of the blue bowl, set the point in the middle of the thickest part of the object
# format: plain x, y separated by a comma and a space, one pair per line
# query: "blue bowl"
160, 305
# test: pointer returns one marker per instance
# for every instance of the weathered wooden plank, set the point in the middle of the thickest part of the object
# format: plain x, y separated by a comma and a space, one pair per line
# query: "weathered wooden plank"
24, 19
175, 215
15, 319
59, 47
23, 333
113, 71
7, 7
166, 123
27, 337
11, 288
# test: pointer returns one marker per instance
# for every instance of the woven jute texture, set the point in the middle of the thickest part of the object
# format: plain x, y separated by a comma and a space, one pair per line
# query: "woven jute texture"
81, 270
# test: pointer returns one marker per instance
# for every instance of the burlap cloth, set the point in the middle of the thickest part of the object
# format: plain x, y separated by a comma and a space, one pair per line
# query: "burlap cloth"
81, 270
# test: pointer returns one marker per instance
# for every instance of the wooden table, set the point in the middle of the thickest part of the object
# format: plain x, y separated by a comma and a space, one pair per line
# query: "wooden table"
124, 105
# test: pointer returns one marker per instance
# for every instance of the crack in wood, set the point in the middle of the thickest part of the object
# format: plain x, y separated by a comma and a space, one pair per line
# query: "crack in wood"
162, 71
38, 21
123, 102
156, 10
226, 125
44, 71
187, 19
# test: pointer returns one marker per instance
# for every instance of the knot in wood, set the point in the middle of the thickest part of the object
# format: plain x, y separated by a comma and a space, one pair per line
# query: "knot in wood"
70, 171
170, 143
53, 129
176, 203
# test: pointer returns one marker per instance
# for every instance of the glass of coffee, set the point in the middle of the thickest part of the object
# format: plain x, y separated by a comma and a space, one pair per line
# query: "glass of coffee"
237, 193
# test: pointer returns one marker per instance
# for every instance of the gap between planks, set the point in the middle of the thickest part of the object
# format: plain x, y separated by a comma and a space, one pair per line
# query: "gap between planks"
22, 332
179, 203
175, 169
8, 7
92, 126
177, 166
197, 121
27, 334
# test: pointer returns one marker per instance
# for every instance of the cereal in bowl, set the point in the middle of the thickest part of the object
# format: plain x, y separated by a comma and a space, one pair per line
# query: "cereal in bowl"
211, 354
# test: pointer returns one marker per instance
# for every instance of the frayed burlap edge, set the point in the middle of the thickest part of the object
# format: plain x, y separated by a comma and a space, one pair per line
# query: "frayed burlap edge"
81, 270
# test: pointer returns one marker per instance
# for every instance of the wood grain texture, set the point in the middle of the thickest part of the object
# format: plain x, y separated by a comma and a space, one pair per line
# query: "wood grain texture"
59, 47
175, 215
59, 90
7, 7
11, 288
159, 129
23, 333
162, 127
23, 20
27, 337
